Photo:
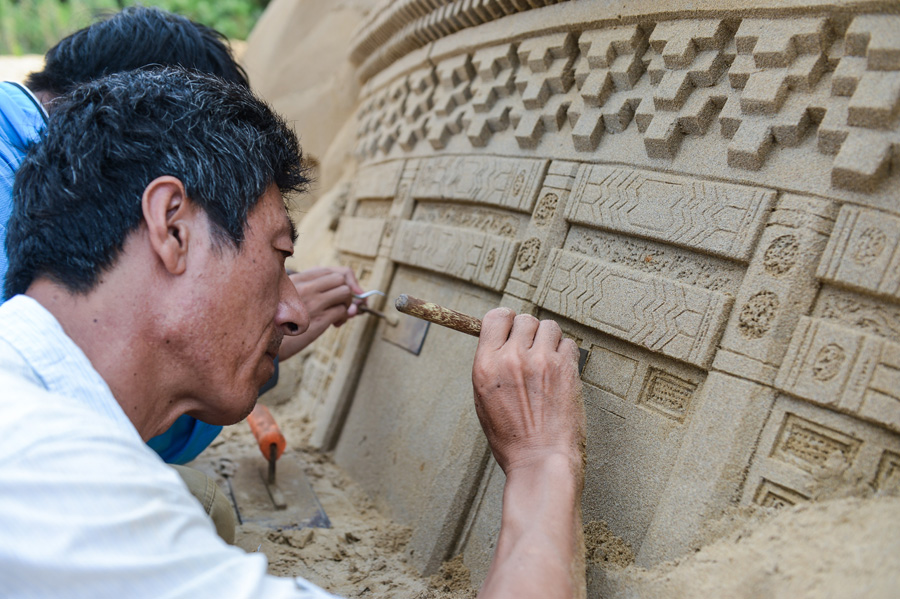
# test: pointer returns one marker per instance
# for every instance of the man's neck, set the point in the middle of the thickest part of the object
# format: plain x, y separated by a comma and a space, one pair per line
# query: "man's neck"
108, 327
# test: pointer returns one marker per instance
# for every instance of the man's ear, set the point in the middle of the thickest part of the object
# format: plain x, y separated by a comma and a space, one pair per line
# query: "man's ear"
170, 217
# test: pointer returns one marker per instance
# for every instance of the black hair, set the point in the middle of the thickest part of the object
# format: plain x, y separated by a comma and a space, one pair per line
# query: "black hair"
77, 195
132, 38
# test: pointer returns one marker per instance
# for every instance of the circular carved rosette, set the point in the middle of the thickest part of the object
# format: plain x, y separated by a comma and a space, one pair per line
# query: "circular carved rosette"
781, 255
528, 253
756, 316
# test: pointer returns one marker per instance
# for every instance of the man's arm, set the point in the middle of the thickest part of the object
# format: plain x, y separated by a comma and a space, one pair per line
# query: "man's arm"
528, 399
327, 294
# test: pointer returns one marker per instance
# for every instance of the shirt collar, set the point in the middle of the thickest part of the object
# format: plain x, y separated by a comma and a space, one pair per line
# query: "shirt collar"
60, 364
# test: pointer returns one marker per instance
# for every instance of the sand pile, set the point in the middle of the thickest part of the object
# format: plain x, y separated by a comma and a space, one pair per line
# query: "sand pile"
846, 547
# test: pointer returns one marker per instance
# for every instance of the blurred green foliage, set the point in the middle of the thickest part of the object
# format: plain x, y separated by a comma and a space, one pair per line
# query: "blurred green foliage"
33, 26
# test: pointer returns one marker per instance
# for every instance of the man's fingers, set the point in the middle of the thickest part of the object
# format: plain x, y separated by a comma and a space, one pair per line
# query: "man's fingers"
523, 330
495, 328
335, 296
324, 283
350, 278
310, 274
567, 346
548, 336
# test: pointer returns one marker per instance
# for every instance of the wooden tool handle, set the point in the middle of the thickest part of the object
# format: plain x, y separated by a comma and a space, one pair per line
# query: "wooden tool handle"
439, 315
266, 431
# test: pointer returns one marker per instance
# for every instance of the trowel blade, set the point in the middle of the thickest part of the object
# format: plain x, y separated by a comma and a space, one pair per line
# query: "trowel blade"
260, 503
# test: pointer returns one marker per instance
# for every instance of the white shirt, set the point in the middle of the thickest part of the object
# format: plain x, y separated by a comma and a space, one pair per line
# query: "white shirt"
86, 508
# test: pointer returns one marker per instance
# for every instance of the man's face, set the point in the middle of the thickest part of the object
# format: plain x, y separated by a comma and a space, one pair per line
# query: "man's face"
244, 303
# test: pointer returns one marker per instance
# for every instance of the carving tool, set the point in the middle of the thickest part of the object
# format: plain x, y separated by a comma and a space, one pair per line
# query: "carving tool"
389, 319
361, 296
452, 319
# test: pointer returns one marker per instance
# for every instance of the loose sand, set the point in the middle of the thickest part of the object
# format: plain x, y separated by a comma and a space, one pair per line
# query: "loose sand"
841, 547
362, 555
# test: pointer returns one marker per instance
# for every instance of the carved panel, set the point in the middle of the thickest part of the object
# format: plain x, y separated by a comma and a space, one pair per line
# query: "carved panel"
811, 446
864, 251
487, 220
668, 394
676, 320
684, 266
844, 369
464, 254
359, 235
506, 182
720, 218
772, 495
378, 181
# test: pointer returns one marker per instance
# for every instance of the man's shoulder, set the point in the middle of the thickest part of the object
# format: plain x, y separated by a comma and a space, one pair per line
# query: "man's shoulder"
21, 118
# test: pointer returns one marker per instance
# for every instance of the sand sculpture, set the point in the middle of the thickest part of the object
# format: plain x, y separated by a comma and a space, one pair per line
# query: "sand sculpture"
704, 195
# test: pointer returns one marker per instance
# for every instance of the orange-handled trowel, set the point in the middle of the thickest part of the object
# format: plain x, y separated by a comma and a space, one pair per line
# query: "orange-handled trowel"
271, 444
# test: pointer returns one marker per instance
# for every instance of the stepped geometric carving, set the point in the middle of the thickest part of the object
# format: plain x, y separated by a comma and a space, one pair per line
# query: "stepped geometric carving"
545, 75
492, 92
610, 66
767, 83
450, 98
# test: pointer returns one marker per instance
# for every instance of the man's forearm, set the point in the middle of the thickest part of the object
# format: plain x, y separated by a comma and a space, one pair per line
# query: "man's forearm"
540, 550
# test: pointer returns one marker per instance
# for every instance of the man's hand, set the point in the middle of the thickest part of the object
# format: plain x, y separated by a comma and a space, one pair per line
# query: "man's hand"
528, 399
327, 293
527, 390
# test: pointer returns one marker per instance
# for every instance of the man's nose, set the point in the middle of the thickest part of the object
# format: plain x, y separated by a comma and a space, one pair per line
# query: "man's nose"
292, 317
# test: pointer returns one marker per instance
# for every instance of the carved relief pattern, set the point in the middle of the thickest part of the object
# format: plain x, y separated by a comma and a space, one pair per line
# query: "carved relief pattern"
811, 446
668, 394
495, 222
464, 254
671, 262
771, 495
859, 312
845, 370
720, 218
505, 182
864, 252
676, 320
758, 83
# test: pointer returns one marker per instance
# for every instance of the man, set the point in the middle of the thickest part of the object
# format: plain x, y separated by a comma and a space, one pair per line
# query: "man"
167, 295
134, 38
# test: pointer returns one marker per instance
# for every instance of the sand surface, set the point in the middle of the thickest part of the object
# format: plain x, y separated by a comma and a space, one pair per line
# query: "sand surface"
362, 555
839, 547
